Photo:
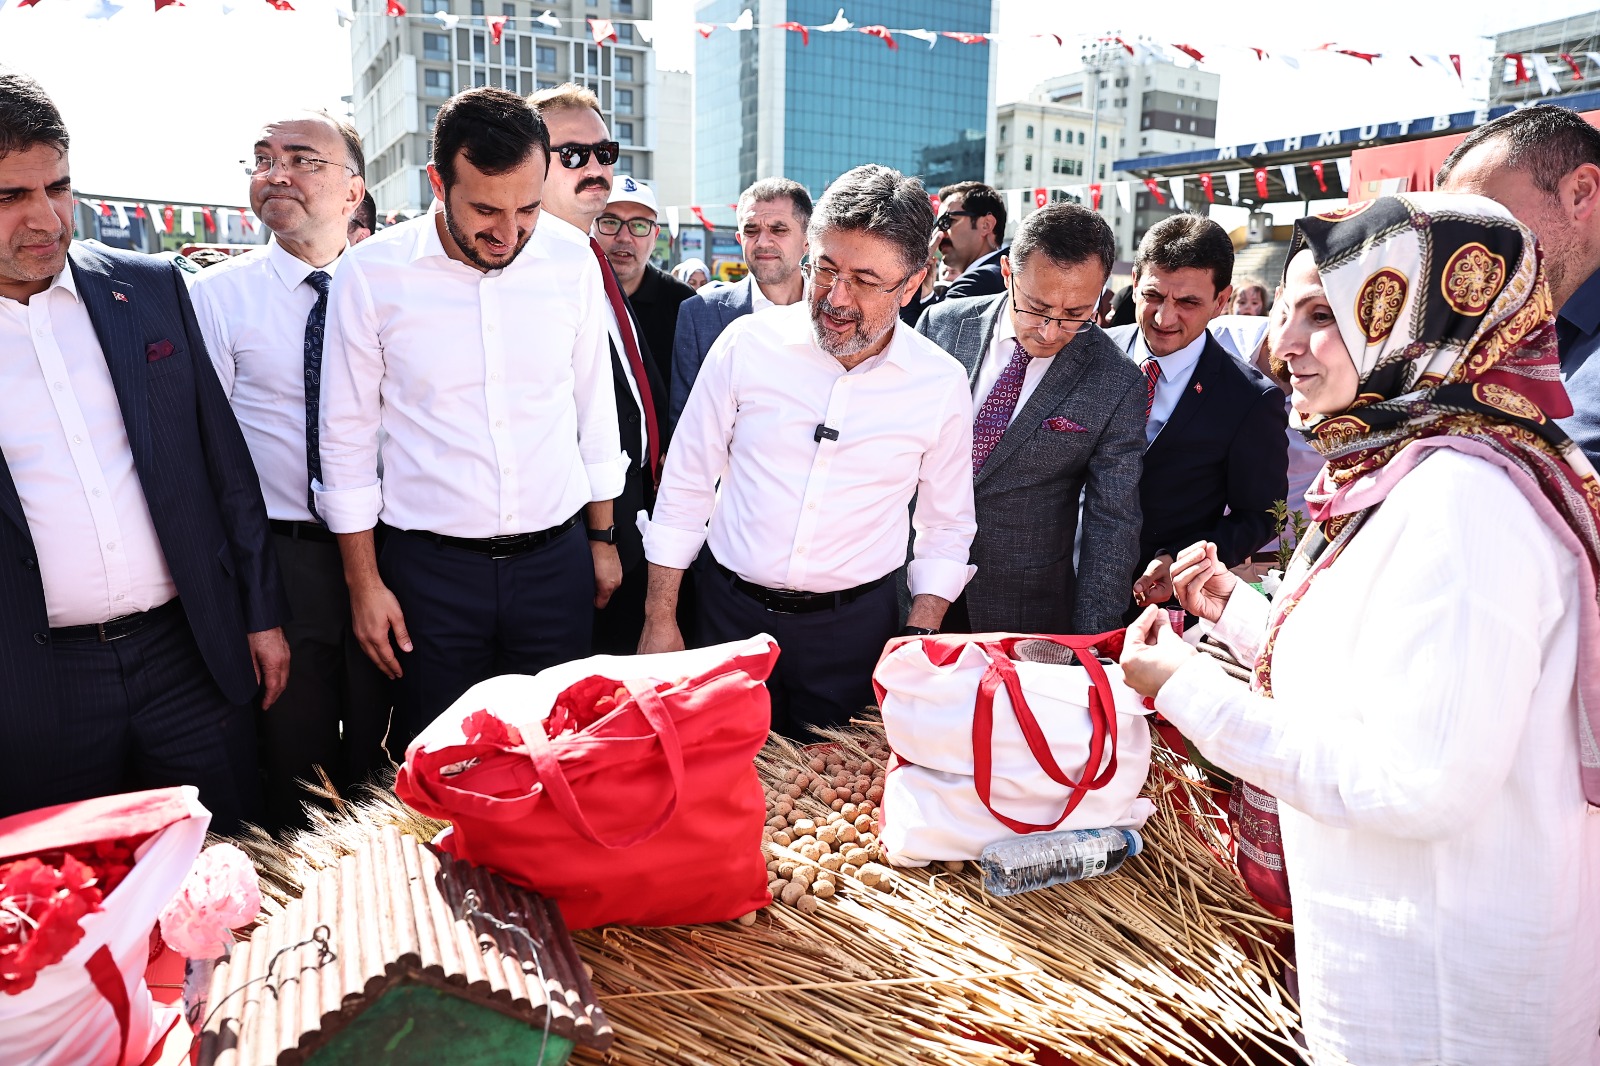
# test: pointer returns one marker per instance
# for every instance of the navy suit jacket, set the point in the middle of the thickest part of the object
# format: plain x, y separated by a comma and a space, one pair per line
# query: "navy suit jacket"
197, 477
1219, 464
985, 280
701, 320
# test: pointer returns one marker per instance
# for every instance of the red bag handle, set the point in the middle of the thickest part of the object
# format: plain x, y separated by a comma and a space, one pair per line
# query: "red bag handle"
1103, 724
559, 789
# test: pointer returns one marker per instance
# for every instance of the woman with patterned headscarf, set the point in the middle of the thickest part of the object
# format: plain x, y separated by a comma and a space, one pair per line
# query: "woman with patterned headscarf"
1419, 739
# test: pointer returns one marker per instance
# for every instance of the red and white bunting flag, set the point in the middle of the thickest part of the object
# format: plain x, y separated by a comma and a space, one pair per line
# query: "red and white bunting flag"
1261, 181
1155, 190
168, 3
1056, 37
1261, 53
497, 28
701, 215
28, 3
280, 5
601, 28
211, 221
883, 34
795, 27
105, 209
933, 202
1041, 197
1206, 187
1517, 68
395, 8
244, 220
1577, 74
1316, 168
967, 38
1455, 61
1191, 51
1094, 195
704, 29
1368, 56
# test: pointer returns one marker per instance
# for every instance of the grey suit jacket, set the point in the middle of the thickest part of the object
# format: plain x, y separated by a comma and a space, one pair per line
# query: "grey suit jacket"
1081, 433
701, 320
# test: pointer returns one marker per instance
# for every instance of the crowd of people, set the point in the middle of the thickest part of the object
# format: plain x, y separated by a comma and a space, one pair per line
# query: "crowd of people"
269, 521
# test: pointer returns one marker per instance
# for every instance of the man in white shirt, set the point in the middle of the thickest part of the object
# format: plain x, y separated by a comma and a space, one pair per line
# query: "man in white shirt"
476, 344
140, 604
821, 421
576, 191
263, 314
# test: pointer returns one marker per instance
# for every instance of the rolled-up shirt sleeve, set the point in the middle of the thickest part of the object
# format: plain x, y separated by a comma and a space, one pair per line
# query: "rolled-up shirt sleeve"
695, 463
945, 521
349, 494
599, 441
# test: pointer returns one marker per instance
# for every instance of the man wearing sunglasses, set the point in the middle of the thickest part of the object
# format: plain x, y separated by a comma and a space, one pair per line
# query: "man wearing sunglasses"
967, 236
1058, 417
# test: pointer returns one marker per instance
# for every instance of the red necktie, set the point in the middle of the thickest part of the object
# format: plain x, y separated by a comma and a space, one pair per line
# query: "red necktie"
1152, 374
630, 345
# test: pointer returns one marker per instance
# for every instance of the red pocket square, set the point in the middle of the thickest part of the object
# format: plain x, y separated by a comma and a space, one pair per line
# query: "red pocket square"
1063, 425
157, 350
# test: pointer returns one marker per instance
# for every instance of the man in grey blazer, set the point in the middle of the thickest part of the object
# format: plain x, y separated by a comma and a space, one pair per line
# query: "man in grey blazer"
1059, 416
773, 215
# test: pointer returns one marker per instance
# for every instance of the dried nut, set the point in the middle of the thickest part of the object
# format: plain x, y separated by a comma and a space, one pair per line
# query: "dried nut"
783, 838
849, 811
792, 892
783, 807
786, 868
955, 866
875, 793
793, 791
841, 780
824, 848
857, 856
807, 905
822, 889
857, 797
827, 795
849, 870
766, 834
847, 834
805, 826
789, 776
747, 919
775, 887
778, 821
804, 875
772, 868
813, 852
864, 824
827, 834
836, 804
831, 862
818, 764
830, 876
803, 780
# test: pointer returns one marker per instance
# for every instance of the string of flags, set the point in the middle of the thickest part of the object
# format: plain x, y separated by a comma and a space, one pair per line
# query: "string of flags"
169, 218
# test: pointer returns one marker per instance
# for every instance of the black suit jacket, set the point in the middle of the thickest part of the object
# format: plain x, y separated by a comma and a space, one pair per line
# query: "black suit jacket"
197, 477
984, 280
637, 492
1219, 464
655, 308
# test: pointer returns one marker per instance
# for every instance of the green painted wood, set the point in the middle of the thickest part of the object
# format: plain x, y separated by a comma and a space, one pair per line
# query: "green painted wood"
419, 1025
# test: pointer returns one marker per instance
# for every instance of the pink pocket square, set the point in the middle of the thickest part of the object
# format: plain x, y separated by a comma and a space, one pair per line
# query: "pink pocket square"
157, 350
1063, 425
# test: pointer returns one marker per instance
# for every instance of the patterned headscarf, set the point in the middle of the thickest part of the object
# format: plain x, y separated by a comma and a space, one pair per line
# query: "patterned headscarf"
1442, 302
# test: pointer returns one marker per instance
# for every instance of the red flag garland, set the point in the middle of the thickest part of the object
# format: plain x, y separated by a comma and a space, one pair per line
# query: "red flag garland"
701, 215
1455, 61
1191, 51
395, 8
1316, 168
1205, 187
1261, 181
1041, 197
933, 202
205, 212
1155, 190
280, 5
497, 28
168, 3
1094, 195
167, 214
601, 28
27, 3
1522, 70
795, 27
244, 220
883, 34
105, 209
1577, 75
1056, 37
966, 38
1368, 56
1261, 53
704, 29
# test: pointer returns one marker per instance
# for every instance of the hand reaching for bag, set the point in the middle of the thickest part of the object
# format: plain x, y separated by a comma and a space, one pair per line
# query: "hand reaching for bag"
1200, 581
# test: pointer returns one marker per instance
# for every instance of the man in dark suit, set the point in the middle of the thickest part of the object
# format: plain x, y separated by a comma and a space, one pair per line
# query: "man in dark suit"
1059, 416
1216, 457
627, 231
773, 215
140, 604
968, 235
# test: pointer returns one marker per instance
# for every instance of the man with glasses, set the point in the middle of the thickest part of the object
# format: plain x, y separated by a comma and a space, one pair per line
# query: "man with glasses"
968, 235
627, 230
1058, 417
263, 314
471, 343
821, 421
575, 193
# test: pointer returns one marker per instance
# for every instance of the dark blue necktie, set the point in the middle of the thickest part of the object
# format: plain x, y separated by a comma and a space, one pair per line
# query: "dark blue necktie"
315, 323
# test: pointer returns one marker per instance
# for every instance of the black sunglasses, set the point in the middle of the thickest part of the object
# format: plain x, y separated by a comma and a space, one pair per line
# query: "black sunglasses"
574, 156
948, 219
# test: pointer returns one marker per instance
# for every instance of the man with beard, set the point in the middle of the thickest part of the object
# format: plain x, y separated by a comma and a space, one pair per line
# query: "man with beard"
498, 465
772, 215
821, 421
263, 315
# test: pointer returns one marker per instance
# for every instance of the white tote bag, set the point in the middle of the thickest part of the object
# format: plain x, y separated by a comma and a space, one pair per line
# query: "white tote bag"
990, 742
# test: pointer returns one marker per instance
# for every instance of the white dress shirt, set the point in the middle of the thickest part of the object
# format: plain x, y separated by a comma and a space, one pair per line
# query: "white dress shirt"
252, 310
1176, 370
758, 297
494, 388
67, 449
1423, 746
995, 360
797, 514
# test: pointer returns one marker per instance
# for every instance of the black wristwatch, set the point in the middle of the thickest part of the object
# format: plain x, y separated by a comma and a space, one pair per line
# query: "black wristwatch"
918, 631
607, 535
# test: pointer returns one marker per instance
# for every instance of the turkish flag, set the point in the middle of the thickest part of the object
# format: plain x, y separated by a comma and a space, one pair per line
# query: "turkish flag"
166, 216
1155, 190
1261, 181
1205, 186
1041, 197
1094, 195
933, 201
1316, 168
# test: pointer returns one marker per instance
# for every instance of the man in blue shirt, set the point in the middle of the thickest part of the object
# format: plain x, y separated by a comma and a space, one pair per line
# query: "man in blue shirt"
1543, 164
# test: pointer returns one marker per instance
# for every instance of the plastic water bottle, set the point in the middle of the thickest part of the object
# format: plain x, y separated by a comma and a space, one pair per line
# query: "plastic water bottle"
1039, 860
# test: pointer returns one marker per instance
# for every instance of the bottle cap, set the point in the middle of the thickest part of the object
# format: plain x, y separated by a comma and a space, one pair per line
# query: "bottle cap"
1135, 842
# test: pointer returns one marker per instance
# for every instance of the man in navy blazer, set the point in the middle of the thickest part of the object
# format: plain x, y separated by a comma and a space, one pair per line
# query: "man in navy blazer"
1216, 455
140, 604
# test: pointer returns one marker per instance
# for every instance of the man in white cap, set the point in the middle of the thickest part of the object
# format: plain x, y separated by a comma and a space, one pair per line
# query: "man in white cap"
627, 230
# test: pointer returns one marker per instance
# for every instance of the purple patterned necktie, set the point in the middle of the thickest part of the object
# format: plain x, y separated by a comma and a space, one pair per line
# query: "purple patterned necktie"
995, 414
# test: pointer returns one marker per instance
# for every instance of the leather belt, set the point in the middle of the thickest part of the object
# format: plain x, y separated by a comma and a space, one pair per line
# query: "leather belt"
498, 547
302, 530
117, 628
783, 601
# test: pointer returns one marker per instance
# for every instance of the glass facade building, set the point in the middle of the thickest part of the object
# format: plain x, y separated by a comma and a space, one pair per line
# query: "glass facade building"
769, 104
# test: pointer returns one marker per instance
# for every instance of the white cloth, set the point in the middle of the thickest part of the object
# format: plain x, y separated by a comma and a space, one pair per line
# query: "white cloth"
252, 311
1422, 744
67, 449
794, 513
995, 361
1176, 370
494, 388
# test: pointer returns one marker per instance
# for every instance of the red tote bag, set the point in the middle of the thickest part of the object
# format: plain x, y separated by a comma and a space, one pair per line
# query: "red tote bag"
622, 787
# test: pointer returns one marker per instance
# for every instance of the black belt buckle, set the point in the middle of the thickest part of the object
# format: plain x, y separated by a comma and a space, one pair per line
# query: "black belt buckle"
510, 547
100, 630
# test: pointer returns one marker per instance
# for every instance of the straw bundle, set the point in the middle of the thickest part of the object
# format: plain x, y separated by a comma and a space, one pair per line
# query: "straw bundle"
1169, 960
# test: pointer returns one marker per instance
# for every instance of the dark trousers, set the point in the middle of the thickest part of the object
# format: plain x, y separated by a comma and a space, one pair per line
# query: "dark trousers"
335, 710
135, 713
824, 671
617, 625
471, 617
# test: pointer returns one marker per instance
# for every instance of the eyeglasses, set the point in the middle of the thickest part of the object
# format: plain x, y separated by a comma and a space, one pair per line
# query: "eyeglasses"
827, 278
297, 163
948, 219
611, 225
1069, 326
574, 156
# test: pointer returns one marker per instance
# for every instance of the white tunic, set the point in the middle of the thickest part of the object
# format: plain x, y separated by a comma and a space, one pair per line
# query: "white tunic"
1423, 746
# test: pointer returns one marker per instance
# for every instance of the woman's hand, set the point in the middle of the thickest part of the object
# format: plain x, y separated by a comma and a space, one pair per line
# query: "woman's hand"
1152, 652
1200, 581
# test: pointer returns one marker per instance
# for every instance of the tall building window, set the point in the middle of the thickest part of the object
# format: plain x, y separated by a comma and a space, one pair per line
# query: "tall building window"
547, 57
1102, 140
625, 33
1002, 131
625, 132
1000, 163
433, 7
1058, 136
624, 69
624, 164
508, 49
624, 7
508, 10
480, 79
430, 113
477, 7
480, 48
591, 59
1027, 162
1080, 136
624, 99
436, 46
436, 83
1030, 133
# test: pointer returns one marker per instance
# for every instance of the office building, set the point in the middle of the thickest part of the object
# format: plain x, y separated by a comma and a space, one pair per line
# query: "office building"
404, 68
674, 156
767, 103
1577, 36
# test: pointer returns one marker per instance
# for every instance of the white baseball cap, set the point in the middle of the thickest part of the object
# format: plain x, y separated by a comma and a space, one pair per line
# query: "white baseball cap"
628, 190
